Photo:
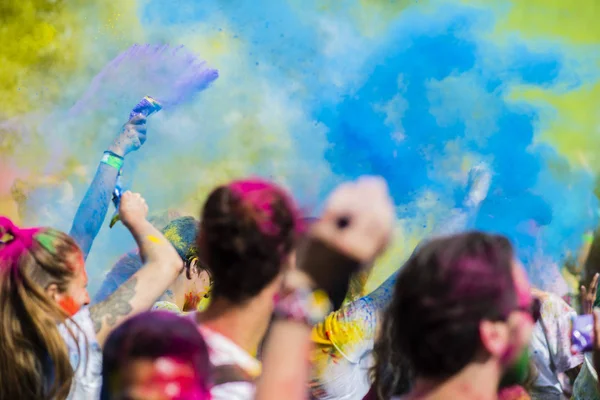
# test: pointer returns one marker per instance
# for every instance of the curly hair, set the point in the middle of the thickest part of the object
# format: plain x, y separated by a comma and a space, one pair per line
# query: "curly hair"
248, 229
443, 292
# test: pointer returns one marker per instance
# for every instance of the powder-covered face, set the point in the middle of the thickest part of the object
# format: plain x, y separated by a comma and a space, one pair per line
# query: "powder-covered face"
520, 322
161, 379
197, 289
76, 295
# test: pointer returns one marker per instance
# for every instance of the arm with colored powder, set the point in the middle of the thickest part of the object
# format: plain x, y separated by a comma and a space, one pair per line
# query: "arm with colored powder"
94, 206
350, 332
478, 186
459, 218
162, 266
477, 190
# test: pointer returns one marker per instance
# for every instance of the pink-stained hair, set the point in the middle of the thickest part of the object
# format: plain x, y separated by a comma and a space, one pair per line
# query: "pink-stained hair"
20, 240
258, 196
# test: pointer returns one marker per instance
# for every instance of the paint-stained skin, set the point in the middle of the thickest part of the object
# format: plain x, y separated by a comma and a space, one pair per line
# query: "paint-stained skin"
153, 239
93, 208
69, 305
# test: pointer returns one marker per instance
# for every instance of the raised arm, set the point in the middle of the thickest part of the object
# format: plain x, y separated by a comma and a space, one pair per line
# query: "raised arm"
463, 215
459, 219
162, 266
354, 229
94, 206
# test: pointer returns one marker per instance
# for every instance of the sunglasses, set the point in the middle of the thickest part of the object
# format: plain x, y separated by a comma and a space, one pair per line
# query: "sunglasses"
534, 309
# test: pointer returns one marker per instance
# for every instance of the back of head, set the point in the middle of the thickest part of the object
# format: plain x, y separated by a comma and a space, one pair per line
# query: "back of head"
31, 348
155, 337
248, 230
443, 292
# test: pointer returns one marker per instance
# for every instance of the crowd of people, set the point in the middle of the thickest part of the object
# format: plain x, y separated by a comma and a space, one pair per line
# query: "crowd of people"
254, 300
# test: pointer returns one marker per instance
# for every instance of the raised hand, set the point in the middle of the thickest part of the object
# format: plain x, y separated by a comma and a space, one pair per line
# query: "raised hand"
588, 296
131, 137
478, 186
133, 208
358, 219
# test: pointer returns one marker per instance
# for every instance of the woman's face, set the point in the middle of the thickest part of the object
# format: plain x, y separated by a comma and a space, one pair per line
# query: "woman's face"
76, 295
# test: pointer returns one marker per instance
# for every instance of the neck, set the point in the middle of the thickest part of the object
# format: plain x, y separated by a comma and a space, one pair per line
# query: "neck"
477, 381
244, 324
176, 292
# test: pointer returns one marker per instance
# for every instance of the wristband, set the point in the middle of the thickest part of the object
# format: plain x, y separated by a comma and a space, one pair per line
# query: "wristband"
110, 158
304, 306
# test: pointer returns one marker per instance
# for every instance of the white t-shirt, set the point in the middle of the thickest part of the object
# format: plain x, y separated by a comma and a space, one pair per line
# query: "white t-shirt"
341, 355
222, 351
556, 315
86, 359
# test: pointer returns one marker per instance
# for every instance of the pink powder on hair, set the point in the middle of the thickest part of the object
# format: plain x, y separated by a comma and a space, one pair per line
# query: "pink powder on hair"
257, 196
21, 239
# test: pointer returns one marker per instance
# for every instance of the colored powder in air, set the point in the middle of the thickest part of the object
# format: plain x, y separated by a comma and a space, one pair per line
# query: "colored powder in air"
170, 74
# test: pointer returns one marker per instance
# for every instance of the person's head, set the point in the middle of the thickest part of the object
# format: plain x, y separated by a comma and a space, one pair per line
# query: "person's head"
197, 281
181, 233
42, 283
156, 356
458, 300
247, 235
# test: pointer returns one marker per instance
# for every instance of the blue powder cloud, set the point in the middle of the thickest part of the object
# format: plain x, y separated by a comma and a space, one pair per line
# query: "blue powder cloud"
428, 89
453, 94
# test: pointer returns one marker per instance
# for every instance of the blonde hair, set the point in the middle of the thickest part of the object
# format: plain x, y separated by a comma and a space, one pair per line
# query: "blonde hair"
34, 361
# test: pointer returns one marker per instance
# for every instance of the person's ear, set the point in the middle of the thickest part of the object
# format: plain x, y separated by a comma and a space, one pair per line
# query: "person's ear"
494, 337
53, 292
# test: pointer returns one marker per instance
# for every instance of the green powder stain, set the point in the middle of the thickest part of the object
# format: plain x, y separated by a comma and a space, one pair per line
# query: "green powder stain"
46, 241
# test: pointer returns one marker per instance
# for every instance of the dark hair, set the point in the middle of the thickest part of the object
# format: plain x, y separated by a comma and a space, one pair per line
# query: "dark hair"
447, 287
248, 228
152, 335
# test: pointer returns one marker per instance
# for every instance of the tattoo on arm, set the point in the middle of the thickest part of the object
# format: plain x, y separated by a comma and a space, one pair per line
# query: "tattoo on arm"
117, 305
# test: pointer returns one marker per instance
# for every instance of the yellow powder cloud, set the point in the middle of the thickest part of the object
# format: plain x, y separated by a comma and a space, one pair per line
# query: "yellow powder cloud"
39, 45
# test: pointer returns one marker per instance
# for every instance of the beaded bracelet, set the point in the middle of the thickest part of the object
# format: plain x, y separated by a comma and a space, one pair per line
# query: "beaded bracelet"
112, 159
304, 306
